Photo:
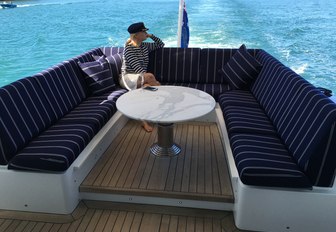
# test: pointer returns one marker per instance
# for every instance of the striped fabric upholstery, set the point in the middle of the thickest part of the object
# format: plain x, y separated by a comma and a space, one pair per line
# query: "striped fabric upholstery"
61, 87
182, 66
308, 129
24, 114
114, 57
95, 110
115, 62
65, 79
176, 65
303, 122
109, 51
241, 70
64, 85
243, 114
215, 90
98, 76
264, 161
321, 167
238, 98
49, 118
244, 119
213, 60
85, 57
276, 86
260, 155
303, 117
56, 148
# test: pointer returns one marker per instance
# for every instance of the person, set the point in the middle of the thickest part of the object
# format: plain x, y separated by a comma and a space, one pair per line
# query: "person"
135, 60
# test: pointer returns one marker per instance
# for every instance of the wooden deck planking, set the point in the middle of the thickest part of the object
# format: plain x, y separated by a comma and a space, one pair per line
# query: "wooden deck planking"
107, 216
198, 171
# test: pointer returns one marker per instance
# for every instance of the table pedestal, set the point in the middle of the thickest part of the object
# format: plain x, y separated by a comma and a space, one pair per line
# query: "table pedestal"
165, 145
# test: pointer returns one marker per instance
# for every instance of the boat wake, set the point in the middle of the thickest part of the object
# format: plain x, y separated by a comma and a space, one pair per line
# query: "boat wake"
26, 5
50, 3
300, 69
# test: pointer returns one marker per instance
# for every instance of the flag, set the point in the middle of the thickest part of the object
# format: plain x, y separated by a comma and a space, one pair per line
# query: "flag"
185, 29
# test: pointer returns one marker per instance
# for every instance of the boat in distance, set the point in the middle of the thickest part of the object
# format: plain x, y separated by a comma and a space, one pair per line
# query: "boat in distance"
5, 5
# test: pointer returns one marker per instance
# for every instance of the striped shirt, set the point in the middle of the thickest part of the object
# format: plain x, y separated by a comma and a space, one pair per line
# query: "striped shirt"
136, 59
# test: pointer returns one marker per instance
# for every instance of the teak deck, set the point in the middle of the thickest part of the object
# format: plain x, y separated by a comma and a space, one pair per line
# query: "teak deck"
106, 216
198, 173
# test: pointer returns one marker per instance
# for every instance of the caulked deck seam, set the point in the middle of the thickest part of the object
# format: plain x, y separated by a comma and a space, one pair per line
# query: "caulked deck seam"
199, 172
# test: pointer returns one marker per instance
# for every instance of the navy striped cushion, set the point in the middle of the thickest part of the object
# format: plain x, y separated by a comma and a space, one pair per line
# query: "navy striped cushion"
263, 160
307, 125
99, 76
96, 110
276, 87
57, 147
96, 117
109, 51
176, 65
321, 166
241, 69
243, 119
213, 89
24, 114
267, 76
213, 60
303, 116
61, 88
238, 98
115, 95
85, 57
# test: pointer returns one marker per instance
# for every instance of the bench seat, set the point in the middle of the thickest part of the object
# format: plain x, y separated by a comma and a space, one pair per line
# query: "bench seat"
56, 148
263, 160
247, 120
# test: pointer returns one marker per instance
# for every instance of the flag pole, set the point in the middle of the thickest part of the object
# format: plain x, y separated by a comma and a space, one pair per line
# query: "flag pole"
179, 25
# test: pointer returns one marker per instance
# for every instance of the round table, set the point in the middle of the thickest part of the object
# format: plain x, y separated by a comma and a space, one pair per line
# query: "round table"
166, 106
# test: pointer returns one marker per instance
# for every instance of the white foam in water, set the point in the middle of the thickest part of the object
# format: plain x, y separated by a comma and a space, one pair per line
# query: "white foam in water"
27, 5
300, 69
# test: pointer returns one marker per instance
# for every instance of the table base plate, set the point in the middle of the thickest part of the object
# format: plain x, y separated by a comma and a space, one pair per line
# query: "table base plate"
157, 150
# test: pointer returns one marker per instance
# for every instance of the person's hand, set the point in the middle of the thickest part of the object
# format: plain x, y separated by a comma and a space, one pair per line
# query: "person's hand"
149, 35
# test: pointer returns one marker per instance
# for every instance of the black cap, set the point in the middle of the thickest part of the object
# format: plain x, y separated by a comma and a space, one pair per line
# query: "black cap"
136, 27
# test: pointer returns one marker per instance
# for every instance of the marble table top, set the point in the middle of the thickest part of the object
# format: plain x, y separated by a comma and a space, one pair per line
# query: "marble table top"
168, 104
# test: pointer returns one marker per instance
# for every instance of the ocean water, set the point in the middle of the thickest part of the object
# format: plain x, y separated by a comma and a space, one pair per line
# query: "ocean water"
40, 33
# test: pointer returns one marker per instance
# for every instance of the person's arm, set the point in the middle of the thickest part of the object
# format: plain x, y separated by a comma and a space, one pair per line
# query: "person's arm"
132, 59
157, 43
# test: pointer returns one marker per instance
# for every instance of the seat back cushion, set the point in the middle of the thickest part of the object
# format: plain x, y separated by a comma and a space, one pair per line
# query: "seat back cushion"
24, 114
176, 65
303, 117
215, 90
62, 87
110, 51
276, 88
308, 130
214, 59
